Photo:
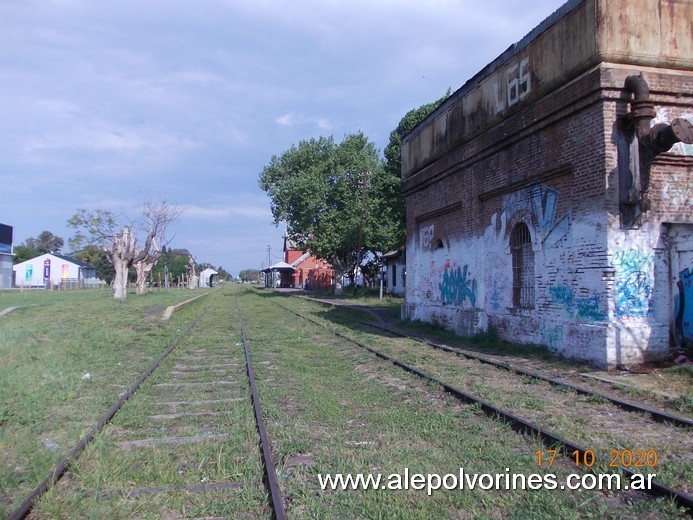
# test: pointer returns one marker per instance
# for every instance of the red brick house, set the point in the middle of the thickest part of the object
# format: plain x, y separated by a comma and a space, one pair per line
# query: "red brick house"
310, 271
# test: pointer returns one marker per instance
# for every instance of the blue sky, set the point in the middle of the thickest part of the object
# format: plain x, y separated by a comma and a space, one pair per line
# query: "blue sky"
107, 104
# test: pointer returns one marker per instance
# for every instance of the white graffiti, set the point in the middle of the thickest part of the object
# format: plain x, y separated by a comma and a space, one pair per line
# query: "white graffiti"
518, 85
426, 235
678, 189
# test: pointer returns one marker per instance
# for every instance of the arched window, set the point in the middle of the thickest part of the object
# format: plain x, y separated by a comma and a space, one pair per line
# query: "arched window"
523, 267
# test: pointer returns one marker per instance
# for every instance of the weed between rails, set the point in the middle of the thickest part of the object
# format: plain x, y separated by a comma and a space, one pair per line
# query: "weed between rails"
342, 411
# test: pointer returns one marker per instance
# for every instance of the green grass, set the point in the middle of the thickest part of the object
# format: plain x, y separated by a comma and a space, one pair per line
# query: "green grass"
323, 399
352, 414
65, 358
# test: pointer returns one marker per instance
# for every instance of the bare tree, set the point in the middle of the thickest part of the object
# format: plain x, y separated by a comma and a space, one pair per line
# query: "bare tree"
156, 220
121, 246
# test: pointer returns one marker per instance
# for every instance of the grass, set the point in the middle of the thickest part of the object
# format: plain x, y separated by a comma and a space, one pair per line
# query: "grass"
111, 468
353, 414
552, 407
329, 408
65, 358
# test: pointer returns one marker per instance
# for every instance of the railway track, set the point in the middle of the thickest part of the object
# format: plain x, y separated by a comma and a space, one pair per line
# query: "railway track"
187, 435
187, 440
657, 415
491, 385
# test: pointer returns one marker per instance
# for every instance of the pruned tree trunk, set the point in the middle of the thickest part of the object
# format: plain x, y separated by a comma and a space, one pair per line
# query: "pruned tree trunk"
121, 248
192, 276
121, 254
142, 269
144, 266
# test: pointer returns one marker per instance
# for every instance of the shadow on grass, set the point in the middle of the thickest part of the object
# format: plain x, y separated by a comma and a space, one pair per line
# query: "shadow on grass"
355, 312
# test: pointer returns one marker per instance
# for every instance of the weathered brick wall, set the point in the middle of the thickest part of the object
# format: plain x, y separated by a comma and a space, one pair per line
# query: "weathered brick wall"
551, 165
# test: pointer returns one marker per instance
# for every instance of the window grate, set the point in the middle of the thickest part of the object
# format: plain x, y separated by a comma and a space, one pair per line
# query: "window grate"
523, 267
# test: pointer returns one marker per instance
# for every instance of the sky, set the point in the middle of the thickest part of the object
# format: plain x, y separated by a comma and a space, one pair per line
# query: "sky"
113, 103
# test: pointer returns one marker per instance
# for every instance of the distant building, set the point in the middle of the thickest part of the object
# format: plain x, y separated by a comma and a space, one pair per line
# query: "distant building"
207, 277
550, 198
55, 268
6, 256
310, 272
395, 263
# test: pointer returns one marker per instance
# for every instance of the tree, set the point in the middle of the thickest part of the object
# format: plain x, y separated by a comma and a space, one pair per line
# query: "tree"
335, 200
46, 242
156, 219
23, 253
411, 119
89, 254
250, 275
121, 247
176, 260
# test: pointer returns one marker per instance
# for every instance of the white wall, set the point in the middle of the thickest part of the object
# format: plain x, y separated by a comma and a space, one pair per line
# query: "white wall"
30, 272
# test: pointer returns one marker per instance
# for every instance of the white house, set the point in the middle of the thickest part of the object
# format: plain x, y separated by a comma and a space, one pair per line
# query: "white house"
207, 277
395, 261
55, 267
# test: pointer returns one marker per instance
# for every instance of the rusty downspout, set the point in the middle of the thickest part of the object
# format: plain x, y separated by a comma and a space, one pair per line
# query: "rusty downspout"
641, 109
661, 137
651, 140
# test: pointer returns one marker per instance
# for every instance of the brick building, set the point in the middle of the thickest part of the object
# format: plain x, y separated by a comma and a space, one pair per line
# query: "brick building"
548, 199
310, 272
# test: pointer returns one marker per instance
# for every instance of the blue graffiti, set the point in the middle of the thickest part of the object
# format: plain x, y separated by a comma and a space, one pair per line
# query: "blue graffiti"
633, 283
588, 308
544, 207
552, 337
684, 306
456, 287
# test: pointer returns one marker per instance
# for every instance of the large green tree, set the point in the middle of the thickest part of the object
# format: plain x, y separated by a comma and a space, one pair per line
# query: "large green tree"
46, 242
32, 247
335, 199
393, 150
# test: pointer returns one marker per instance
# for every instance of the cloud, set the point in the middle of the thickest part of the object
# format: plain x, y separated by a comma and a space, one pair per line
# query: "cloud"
289, 120
103, 101
216, 212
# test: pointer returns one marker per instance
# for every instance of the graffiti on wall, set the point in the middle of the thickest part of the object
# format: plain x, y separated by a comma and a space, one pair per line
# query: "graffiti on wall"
587, 308
496, 280
678, 189
634, 283
544, 205
552, 337
426, 235
540, 201
684, 306
457, 286
517, 85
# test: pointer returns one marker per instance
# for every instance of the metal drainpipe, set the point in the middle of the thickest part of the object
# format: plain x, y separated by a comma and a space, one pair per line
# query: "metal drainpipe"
641, 109
661, 137
651, 140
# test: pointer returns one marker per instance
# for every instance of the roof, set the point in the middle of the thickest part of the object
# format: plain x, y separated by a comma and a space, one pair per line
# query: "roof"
72, 259
397, 253
300, 259
279, 266
64, 258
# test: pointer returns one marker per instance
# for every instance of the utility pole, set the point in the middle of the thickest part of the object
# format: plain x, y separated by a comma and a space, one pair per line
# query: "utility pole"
363, 186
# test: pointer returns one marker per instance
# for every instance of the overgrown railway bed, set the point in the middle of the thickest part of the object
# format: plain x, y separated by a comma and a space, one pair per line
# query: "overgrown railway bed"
186, 443
188, 437
594, 430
